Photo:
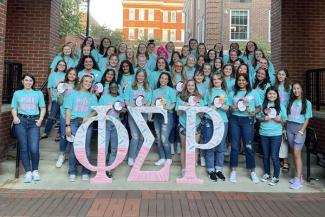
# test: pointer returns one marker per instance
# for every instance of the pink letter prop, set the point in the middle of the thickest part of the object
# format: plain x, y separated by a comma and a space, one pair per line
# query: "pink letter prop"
136, 174
191, 144
79, 145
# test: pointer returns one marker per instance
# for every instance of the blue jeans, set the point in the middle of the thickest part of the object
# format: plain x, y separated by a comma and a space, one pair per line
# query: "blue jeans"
63, 142
174, 134
55, 110
163, 130
137, 138
28, 135
271, 147
75, 124
242, 128
214, 157
111, 139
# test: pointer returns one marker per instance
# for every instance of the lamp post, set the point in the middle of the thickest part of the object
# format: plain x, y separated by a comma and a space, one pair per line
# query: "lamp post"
88, 14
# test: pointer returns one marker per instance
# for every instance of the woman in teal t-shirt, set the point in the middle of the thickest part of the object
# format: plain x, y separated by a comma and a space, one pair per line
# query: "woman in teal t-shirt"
78, 110
88, 66
137, 94
272, 118
189, 68
161, 66
164, 96
28, 110
299, 112
67, 56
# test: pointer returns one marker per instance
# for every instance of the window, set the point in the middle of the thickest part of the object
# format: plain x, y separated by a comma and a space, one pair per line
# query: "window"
183, 17
239, 25
165, 16
165, 35
131, 34
241, 1
173, 35
151, 16
151, 34
140, 34
182, 35
131, 14
173, 17
141, 14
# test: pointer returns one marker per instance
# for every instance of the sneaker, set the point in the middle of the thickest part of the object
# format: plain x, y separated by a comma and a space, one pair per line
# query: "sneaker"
254, 178
265, 177
72, 177
291, 181
233, 177
60, 161
160, 162
28, 177
44, 136
213, 176
220, 176
296, 184
273, 181
36, 176
202, 160
85, 177
130, 162
109, 174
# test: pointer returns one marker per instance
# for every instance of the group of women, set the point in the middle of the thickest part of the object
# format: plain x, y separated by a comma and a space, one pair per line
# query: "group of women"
243, 87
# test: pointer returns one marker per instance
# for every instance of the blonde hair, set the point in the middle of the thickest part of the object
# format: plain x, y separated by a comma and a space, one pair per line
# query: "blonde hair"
145, 82
185, 94
79, 86
174, 73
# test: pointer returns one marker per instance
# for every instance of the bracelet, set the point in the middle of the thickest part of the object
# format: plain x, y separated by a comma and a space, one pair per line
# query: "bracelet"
67, 125
301, 132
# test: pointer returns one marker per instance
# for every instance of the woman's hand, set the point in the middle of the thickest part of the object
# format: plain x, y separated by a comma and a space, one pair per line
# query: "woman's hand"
39, 122
277, 119
16, 120
68, 131
267, 118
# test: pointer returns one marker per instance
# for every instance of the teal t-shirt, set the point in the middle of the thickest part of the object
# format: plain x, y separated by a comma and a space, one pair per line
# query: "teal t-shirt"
53, 81
261, 92
71, 62
168, 93
97, 74
252, 98
230, 84
94, 53
295, 110
153, 79
130, 95
189, 72
202, 88
248, 59
108, 99
127, 80
152, 61
102, 63
28, 102
146, 68
284, 95
64, 96
271, 127
209, 100
182, 117
80, 103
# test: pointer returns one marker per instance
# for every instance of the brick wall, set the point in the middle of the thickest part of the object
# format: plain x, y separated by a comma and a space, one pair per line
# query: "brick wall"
32, 34
213, 22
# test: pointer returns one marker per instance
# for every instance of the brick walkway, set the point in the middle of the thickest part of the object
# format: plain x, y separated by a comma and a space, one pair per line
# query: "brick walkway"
152, 203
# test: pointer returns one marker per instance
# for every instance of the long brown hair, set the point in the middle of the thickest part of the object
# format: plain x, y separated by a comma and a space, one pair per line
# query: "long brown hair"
286, 83
293, 98
185, 94
145, 82
223, 84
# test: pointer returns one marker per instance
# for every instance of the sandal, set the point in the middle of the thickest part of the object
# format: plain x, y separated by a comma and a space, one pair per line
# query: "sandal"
285, 167
44, 136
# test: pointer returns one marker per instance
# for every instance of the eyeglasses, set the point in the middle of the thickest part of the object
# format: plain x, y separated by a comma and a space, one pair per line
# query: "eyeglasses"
178, 66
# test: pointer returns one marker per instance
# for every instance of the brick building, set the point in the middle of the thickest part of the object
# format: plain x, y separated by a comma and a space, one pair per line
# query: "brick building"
148, 19
29, 35
227, 21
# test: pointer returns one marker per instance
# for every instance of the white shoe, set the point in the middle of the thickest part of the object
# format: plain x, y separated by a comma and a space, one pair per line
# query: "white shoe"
265, 177
72, 177
130, 162
28, 177
233, 177
85, 177
202, 161
160, 162
36, 175
60, 161
254, 178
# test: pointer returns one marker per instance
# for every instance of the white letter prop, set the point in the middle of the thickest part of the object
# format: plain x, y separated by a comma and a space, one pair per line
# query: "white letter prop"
191, 144
136, 174
122, 149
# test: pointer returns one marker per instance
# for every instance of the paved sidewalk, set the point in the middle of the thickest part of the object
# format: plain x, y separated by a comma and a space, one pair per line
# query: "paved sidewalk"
158, 203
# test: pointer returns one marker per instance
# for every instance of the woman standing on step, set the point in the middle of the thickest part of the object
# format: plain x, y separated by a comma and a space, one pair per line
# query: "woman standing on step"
28, 110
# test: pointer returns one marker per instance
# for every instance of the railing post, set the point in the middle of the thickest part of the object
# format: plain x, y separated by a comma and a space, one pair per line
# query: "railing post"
317, 90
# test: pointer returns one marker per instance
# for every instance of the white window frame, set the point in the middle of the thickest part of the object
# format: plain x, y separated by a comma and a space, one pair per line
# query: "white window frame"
165, 17
131, 15
151, 33
164, 35
183, 17
131, 34
182, 35
173, 35
142, 13
141, 36
173, 14
248, 25
151, 14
